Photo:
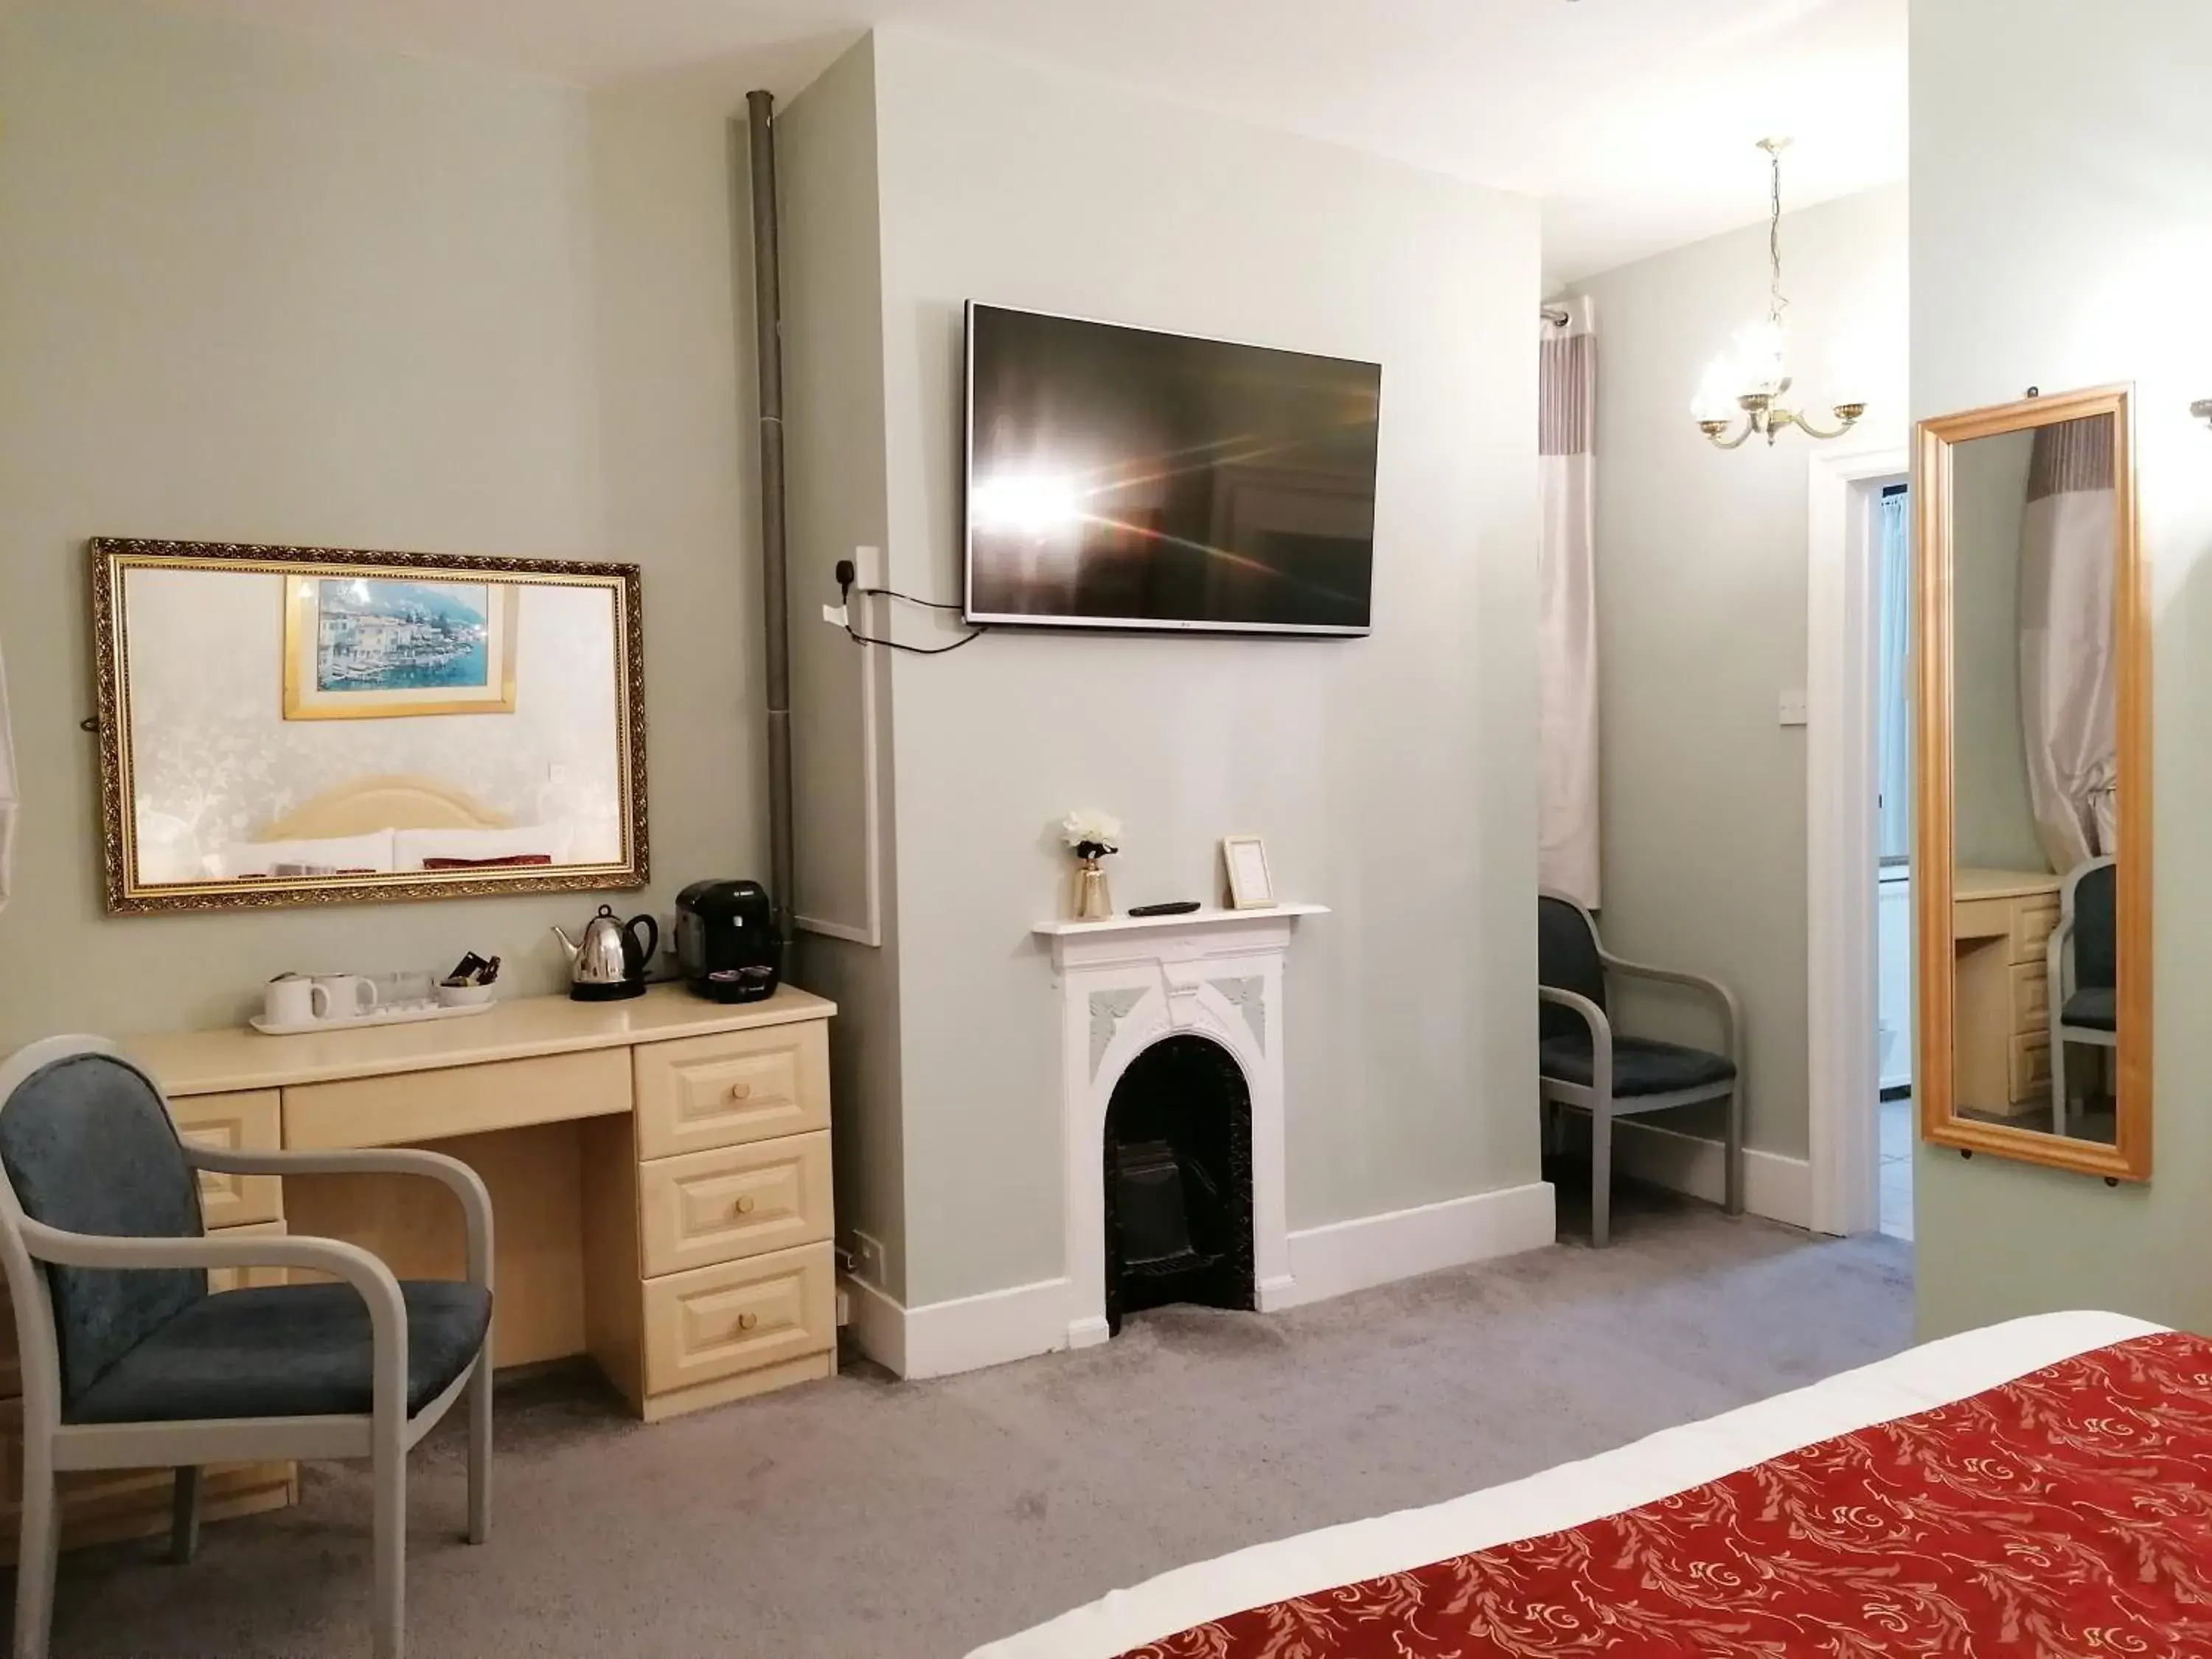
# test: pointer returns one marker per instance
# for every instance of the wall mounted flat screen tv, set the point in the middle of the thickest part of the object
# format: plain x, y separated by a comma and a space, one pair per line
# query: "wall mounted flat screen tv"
1119, 477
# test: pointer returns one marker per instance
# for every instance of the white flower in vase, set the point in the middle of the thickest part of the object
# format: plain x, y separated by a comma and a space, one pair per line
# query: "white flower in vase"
1091, 835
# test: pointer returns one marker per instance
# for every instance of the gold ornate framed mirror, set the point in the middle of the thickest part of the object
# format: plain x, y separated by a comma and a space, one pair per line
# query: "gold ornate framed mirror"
287, 726
2032, 871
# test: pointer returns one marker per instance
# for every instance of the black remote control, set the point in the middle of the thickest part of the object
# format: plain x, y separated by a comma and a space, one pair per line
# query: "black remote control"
1172, 907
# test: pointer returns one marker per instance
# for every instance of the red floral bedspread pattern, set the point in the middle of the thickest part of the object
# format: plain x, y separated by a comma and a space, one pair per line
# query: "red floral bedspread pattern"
2068, 1512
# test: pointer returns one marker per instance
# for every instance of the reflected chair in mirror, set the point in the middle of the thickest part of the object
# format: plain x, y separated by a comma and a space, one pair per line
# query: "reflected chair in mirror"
2081, 960
129, 1361
1583, 1063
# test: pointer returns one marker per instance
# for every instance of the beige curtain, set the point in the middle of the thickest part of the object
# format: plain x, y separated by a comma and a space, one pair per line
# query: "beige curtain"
2067, 692
1566, 639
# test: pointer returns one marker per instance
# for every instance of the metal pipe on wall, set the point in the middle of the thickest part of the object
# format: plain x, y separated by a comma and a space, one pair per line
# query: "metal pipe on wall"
768, 335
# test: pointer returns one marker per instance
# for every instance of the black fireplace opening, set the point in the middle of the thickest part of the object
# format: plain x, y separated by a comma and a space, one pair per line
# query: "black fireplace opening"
1179, 1181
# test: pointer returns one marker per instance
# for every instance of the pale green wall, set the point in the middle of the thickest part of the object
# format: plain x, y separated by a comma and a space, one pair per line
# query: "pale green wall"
1393, 777
1702, 595
254, 287
833, 340
2062, 199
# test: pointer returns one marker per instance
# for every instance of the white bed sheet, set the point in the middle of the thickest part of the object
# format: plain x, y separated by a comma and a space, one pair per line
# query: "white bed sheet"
1672, 1461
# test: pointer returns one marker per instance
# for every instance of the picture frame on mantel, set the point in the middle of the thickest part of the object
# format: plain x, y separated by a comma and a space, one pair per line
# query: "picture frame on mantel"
1251, 883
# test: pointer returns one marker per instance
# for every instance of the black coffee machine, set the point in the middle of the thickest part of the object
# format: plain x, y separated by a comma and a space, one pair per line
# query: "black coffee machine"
725, 944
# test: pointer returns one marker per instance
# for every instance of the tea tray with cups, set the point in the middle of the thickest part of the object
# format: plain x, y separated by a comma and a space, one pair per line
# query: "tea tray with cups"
295, 1005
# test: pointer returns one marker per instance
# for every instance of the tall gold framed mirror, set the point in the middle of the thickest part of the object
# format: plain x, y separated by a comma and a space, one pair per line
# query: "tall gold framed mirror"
309, 726
2032, 871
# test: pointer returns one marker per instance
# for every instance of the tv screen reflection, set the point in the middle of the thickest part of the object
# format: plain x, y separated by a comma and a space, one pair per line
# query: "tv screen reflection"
1123, 478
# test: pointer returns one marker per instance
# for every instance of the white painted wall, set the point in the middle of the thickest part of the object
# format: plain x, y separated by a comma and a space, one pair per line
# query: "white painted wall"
2062, 202
259, 287
1393, 777
1702, 597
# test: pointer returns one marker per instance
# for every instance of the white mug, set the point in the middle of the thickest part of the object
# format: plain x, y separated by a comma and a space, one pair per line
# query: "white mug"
288, 1000
342, 996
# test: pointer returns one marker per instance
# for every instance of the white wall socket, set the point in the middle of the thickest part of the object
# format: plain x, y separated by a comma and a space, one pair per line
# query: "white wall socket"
867, 1259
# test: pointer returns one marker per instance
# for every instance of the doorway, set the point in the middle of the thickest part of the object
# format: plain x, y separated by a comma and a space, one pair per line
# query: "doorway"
1858, 815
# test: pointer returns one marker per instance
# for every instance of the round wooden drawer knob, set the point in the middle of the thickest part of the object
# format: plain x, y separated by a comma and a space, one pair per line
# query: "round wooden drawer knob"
745, 1206
746, 1322
740, 1090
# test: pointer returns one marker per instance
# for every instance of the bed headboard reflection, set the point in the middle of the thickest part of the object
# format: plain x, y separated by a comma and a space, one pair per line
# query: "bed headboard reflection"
368, 804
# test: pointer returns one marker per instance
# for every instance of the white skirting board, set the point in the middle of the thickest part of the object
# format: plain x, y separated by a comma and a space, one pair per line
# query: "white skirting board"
1778, 1187
1377, 1249
942, 1338
878, 1323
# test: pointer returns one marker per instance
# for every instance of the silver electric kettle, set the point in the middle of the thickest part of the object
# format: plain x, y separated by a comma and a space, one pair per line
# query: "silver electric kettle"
608, 962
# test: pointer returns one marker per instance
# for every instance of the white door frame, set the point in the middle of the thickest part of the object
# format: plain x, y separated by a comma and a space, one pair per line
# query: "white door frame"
1841, 854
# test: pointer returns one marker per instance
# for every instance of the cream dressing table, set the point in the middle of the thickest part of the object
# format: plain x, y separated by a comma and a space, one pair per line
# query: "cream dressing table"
660, 1182
2002, 1033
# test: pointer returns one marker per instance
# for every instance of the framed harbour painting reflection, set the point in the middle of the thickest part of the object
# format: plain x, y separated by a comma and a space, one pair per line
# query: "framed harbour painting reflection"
378, 648
255, 743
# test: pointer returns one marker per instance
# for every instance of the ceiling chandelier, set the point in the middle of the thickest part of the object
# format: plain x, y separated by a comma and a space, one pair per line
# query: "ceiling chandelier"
1748, 381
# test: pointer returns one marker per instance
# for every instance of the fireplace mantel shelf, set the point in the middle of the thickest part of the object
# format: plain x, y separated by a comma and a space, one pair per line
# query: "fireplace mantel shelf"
1209, 915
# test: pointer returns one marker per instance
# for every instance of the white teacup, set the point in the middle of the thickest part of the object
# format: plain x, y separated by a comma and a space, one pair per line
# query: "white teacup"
342, 996
288, 1000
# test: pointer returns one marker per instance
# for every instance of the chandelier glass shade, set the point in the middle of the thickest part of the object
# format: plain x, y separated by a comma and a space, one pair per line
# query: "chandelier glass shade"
1739, 397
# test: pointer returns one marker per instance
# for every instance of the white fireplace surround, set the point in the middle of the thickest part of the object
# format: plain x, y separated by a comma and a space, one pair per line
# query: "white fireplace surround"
1122, 984
1126, 982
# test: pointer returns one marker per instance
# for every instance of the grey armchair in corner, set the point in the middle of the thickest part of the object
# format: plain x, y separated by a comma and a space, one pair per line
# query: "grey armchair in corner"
1583, 1063
129, 1362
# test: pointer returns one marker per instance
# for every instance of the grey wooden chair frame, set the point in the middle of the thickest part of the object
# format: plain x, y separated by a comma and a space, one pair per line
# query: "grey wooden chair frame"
384, 1436
1603, 1106
2058, 966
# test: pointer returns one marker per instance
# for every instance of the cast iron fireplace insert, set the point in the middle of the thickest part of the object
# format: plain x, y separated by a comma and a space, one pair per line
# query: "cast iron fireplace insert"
1178, 1170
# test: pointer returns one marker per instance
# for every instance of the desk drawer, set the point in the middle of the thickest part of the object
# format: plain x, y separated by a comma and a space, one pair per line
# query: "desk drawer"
734, 1202
2030, 998
732, 1087
1981, 919
234, 1123
407, 1109
2032, 918
718, 1322
2031, 1069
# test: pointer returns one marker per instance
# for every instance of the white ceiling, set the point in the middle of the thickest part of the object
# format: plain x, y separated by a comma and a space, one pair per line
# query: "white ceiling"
1633, 120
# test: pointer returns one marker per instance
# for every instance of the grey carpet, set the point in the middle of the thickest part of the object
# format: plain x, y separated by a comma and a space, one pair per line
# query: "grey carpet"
863, 1518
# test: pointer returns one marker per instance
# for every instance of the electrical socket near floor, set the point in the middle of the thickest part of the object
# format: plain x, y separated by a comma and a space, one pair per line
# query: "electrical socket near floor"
867, 1259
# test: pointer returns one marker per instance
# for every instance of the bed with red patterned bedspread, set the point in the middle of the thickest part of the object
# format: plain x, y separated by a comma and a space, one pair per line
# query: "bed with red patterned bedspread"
2061, 1508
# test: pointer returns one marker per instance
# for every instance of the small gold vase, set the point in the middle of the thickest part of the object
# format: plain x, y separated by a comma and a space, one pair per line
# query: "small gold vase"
1092, 901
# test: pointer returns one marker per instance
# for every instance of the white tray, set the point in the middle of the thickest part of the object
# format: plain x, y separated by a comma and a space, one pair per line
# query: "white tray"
385, 1013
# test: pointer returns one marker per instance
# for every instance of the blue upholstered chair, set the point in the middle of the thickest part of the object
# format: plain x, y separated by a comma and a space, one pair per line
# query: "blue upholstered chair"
2082, 961
1583, 1063
129, 1362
